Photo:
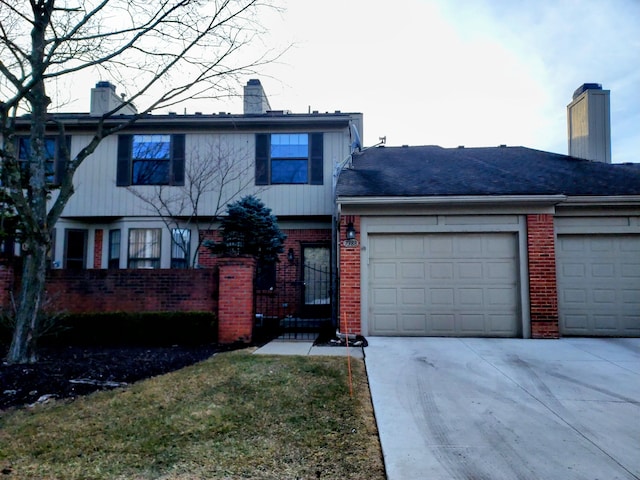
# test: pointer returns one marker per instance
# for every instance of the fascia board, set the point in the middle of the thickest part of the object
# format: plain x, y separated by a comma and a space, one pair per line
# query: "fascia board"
454, 200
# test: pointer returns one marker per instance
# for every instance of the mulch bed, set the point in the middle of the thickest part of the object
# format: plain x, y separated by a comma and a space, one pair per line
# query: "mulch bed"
66, 372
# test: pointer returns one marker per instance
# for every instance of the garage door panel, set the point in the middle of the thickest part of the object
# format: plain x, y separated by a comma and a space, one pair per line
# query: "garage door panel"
444, 284
599, 284
442, 296
631, 270
386, 271
472, 324
384, 296
412, 271
440, 271
413, 296
414, 323
471, 297
386, 323
501, 297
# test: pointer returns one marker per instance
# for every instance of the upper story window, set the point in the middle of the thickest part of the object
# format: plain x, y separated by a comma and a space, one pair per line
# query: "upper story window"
289, 158
54, 158
154, 159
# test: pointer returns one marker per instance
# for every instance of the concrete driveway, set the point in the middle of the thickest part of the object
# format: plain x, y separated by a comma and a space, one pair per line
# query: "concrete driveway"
453, 408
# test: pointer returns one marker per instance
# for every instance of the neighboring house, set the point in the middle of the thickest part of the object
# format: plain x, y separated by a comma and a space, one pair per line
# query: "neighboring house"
287, 160
498, 242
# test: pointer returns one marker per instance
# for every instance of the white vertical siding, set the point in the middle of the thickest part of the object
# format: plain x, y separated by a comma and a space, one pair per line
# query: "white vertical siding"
97, 194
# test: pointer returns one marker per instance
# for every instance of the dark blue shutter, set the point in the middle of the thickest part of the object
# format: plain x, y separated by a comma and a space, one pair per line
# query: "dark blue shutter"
262, 159
61, 159
317, 158
177, 159
123, 175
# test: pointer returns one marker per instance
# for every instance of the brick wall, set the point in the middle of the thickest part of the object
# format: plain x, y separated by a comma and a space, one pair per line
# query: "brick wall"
543, 291
350, 319
81, 291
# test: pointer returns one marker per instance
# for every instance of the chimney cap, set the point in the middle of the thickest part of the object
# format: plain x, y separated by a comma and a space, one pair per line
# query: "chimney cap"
254, 81
584, 87
105, 84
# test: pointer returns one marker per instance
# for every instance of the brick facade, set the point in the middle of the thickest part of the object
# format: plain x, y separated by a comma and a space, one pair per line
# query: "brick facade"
349, 313
543, 290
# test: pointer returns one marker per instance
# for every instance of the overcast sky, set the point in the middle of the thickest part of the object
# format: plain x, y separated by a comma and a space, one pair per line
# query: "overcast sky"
460, 72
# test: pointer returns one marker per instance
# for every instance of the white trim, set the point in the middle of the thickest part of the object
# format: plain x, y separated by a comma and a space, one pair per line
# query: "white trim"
453, 200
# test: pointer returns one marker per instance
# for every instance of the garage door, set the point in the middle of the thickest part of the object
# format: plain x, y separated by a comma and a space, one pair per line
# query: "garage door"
443, 285
599, 285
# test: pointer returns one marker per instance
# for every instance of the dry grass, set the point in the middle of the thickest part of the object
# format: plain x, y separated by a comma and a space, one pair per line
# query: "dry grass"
235, 415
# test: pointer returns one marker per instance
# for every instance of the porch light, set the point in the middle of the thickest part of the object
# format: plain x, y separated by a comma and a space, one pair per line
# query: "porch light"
290, 255
351, 232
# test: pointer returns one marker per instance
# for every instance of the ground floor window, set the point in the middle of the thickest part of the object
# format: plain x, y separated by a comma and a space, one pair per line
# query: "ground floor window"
144, 247
180, 247
114, 248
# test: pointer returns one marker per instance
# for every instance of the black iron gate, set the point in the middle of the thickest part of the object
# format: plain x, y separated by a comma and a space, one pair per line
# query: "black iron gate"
293, 304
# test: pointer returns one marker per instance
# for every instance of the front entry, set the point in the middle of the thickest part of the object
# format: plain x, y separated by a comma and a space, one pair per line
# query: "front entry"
316, 281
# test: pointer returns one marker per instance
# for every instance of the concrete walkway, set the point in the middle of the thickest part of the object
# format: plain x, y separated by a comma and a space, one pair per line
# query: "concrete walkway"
296, 347
452, 408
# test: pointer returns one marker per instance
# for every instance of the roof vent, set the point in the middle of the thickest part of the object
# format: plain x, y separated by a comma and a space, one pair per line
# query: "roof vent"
503, 145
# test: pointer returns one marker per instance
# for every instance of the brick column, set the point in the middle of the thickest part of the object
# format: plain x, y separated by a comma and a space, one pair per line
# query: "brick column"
7, 279
543, 291
235, 301
350, 315
97, 249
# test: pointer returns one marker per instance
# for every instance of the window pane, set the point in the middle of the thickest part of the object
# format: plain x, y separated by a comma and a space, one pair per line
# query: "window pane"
289, 171
114, 249
144, 247
24, 154
151, 157
290, 145
180, 247
151, 147
150, 172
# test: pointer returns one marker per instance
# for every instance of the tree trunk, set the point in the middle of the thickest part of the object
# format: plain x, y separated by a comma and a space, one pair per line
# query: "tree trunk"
27, 320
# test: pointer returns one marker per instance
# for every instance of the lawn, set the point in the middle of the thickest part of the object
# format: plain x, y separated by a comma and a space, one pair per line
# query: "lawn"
235, 415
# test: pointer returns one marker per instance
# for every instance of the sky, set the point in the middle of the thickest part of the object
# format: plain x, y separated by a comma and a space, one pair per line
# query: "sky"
459, 72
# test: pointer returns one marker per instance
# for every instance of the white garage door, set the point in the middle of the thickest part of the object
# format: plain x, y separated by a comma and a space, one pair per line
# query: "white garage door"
599, 285
443, 285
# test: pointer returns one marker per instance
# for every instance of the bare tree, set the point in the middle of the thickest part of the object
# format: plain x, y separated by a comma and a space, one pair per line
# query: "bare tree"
216, 174
162, 51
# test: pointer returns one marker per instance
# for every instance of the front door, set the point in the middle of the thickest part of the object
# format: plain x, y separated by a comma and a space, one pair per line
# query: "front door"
316, 280
75, 248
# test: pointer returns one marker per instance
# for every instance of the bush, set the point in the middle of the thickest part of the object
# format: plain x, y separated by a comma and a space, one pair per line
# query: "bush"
150, 329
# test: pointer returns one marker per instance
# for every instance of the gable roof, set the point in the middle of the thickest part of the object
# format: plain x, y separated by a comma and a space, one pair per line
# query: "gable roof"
437, 171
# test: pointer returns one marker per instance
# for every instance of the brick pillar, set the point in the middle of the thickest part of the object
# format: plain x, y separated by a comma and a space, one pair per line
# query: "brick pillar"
235, 301
97, 249
7, 279
350, 315
543, 291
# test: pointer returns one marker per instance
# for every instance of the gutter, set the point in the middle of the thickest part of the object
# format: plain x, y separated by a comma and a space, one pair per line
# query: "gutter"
454, 200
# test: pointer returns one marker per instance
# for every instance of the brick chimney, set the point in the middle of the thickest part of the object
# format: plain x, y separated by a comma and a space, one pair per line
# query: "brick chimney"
255, 100
104, 99
589, 123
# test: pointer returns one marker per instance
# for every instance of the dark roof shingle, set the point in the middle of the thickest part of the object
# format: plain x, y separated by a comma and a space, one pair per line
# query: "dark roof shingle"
437, 171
